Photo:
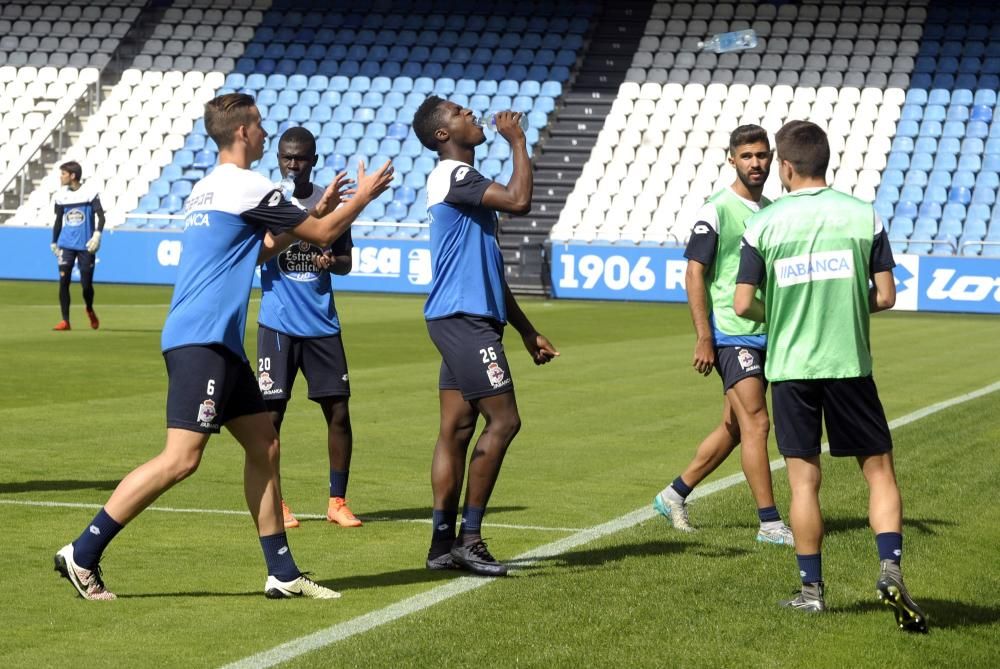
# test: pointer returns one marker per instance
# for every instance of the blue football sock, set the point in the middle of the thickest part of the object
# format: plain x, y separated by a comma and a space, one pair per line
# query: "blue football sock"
278, 556
338, 483
890, 546
683, 489
90, 545
444, 527
472, 521
810, 567
769, 514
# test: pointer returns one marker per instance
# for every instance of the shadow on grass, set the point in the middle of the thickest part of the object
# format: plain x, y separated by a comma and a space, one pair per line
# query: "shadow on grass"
918, 525
197, 593
597, 557
65, 484
391, 578
941, 613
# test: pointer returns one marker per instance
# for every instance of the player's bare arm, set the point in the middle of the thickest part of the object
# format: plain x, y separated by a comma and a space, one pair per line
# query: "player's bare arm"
515, 197
325, 230
704, 348
882, 294
747, 304
538, 345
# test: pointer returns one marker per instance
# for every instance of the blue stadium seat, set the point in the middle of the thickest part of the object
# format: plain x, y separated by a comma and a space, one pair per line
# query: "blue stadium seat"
398, 131
375, 129
368, 146
172, 203
959, 195
898, 161
415, 180
320, 114
170, 173
991, 162
203, 160
181, 188
900, 228
938, 194
977, 129
912, 192
929, 210
906, 209
395, 211
983, 98
922, 144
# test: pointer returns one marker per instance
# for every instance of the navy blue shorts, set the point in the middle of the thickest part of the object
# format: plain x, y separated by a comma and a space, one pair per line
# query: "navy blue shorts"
208, 387
735, 363
69, 257
321, 359
472, 356
855, 420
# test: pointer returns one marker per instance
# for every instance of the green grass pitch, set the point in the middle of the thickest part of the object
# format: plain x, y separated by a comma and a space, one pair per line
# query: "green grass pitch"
606, 426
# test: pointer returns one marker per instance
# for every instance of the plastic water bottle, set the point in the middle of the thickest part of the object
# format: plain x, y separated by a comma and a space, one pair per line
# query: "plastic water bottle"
490, 121
726, 42
287, 185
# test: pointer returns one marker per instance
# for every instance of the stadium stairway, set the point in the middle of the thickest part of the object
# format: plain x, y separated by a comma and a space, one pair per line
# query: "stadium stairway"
570, 135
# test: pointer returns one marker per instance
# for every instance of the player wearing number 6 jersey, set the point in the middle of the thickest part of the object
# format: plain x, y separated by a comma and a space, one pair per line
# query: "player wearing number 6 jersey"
235, 219
468, 306
734, 346
824, 262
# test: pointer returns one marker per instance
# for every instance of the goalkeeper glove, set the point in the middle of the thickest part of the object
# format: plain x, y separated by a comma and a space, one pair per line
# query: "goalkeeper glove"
55, 249
95, 242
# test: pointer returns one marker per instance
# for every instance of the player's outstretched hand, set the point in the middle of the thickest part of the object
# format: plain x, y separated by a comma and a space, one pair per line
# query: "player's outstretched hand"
334, 194
509, 126
55, 249
540, 348
704, 356
370, 186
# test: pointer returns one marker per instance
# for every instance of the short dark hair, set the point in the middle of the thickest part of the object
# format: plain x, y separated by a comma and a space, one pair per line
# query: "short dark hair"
299, 135
805, 146
226, 113
72, 167
426, 121
747, 134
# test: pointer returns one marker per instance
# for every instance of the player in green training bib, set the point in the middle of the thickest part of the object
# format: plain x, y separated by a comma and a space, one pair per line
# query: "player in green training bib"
733, 345
824, 263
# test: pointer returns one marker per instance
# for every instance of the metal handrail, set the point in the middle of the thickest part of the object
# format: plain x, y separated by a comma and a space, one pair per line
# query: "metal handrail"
932, 242
983, 242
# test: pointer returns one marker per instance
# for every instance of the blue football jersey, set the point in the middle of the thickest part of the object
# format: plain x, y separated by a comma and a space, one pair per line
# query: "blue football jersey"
465, 256
226, 217
297, 296
79, 208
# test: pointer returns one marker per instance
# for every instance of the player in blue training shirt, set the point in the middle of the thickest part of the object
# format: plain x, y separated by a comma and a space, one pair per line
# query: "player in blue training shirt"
468, 306
76, 236
235, 219
299, 328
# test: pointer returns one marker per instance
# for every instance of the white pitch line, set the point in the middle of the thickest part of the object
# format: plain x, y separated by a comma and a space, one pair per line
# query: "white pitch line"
311, 516
331, 635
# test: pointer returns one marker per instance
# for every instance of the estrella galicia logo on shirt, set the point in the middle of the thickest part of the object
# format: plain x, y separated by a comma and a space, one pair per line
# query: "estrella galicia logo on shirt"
74, 217
296, 262
207, 413
496, 375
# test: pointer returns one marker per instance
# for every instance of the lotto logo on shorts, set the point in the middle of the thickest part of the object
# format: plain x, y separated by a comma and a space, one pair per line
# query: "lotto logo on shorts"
206, 412
746, 360
496, 375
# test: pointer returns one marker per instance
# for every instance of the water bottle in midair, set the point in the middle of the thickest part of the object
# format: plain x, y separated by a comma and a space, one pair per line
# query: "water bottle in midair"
726, 42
